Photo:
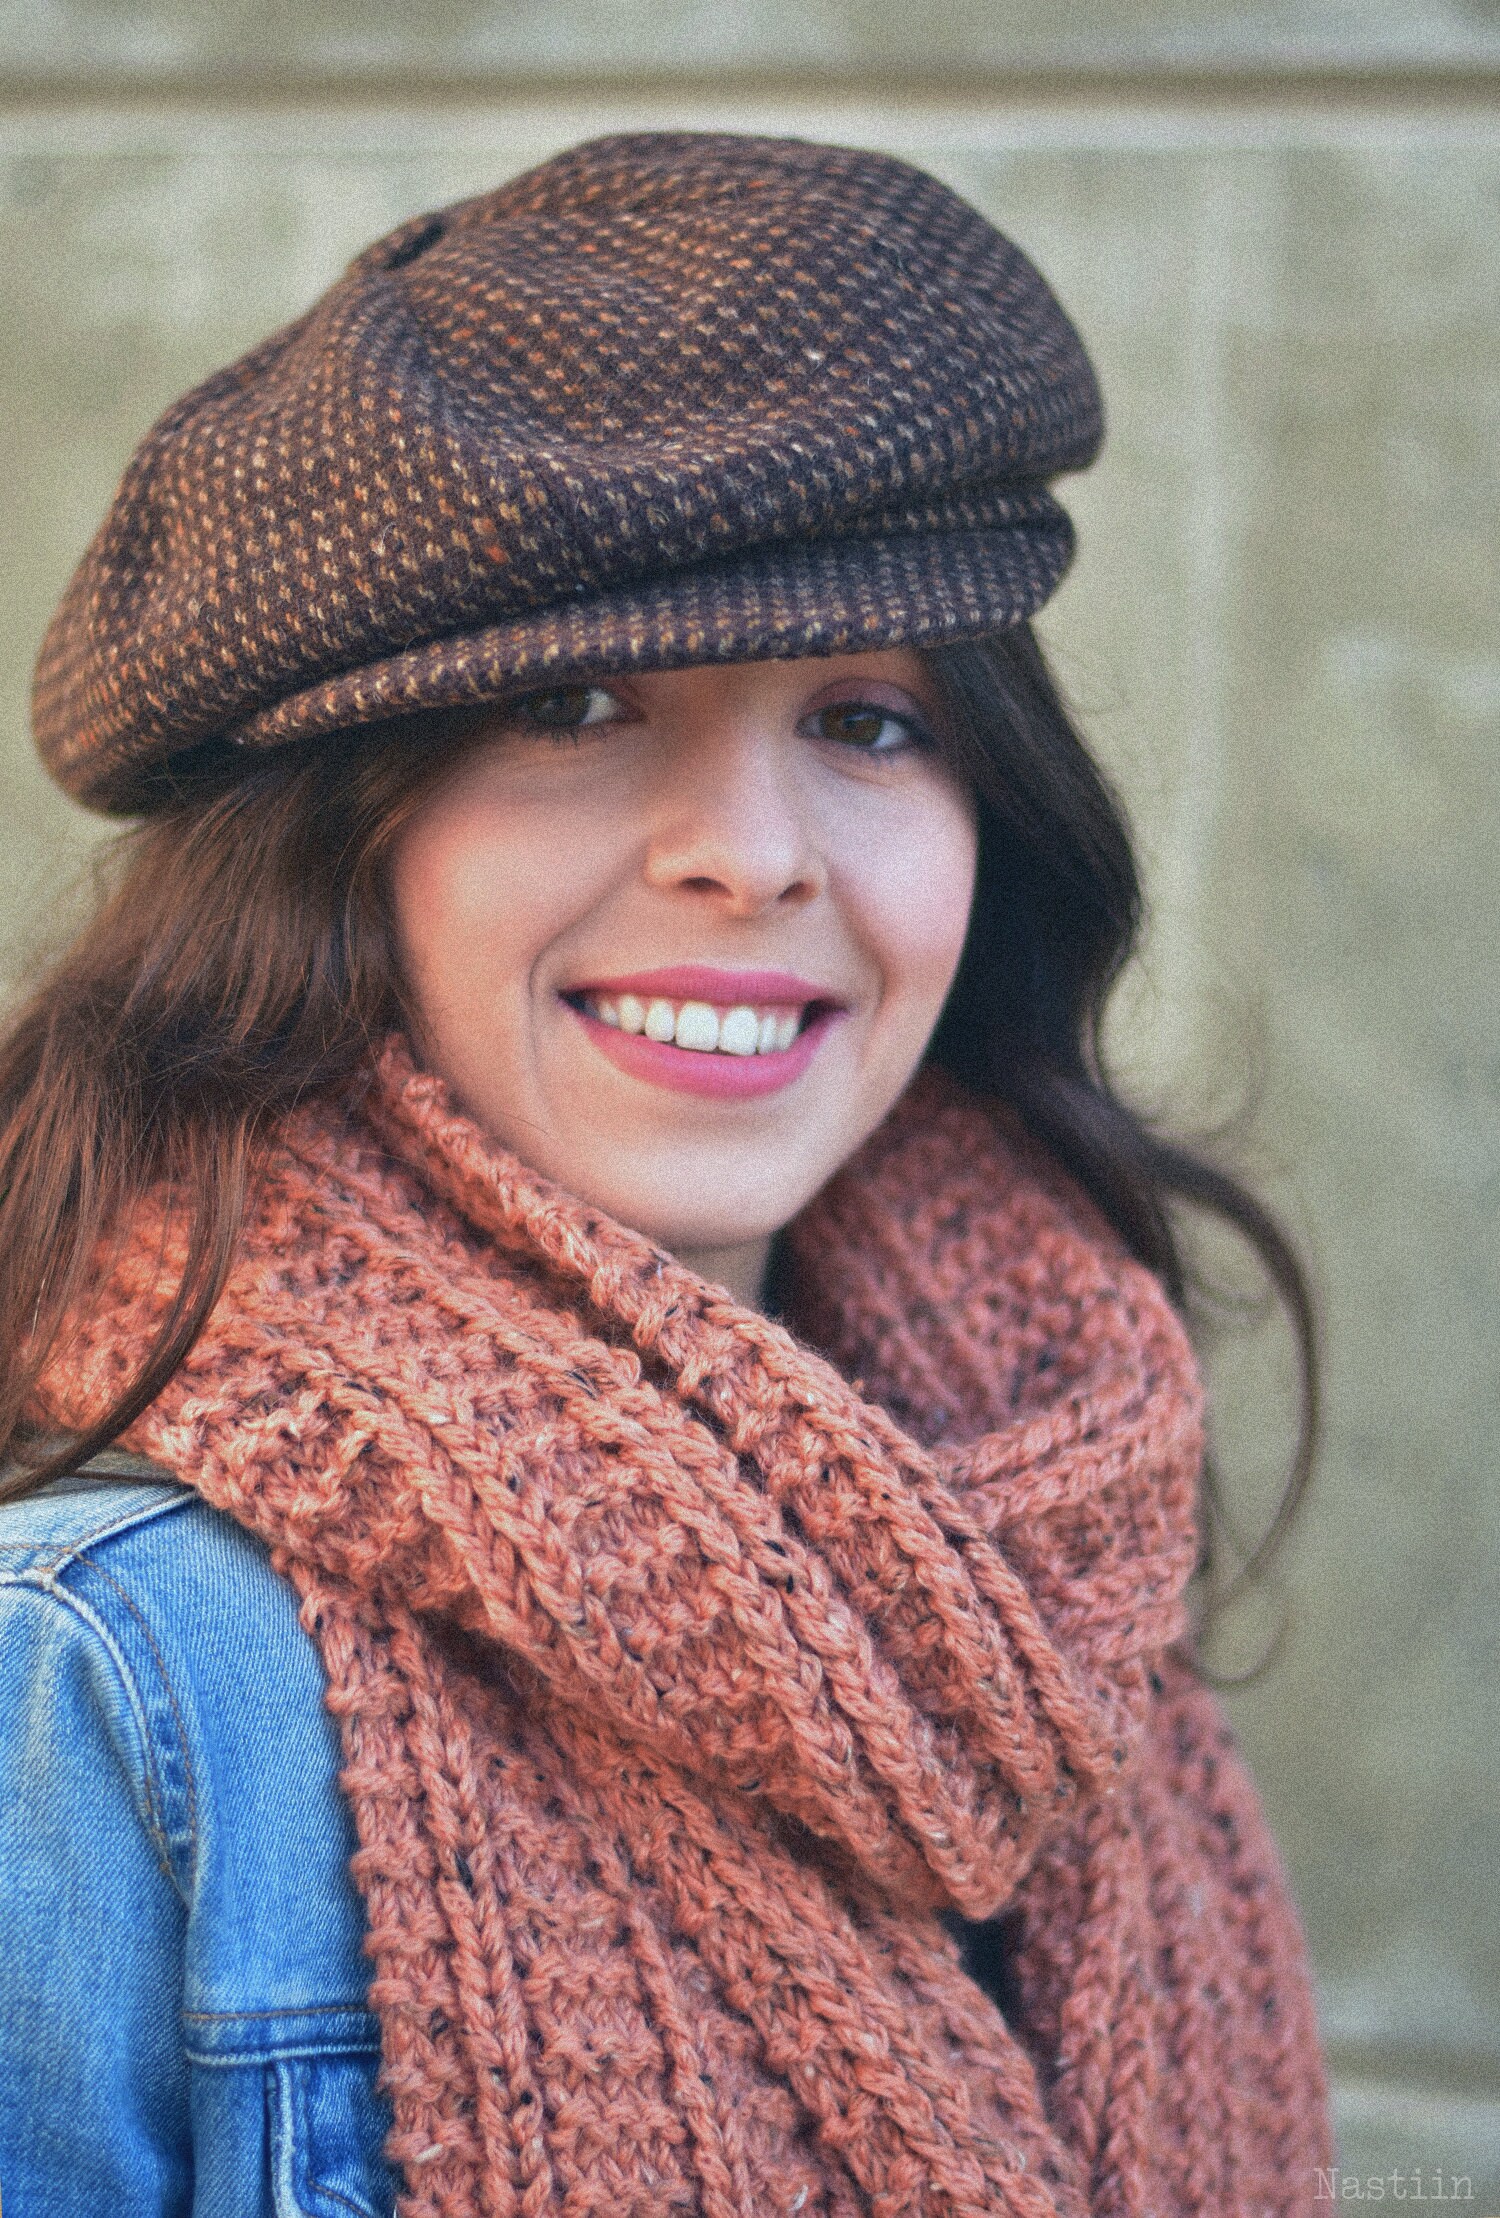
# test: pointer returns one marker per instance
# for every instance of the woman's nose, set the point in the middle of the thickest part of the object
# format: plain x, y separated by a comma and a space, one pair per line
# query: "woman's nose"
735, 826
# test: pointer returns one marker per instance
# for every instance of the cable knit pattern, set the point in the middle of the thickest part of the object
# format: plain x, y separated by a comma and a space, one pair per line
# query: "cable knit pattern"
690, 1679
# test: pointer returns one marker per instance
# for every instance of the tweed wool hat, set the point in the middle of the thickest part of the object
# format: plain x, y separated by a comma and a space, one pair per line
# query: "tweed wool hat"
669, 398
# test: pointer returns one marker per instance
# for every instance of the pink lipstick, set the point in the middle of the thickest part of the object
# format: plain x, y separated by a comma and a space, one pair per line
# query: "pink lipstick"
726, 1034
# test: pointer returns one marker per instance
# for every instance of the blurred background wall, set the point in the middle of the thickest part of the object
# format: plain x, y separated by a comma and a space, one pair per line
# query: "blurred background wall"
1277, 228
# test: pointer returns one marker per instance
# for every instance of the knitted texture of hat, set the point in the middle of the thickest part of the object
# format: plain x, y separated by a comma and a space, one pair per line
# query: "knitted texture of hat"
669, 398
685, 1686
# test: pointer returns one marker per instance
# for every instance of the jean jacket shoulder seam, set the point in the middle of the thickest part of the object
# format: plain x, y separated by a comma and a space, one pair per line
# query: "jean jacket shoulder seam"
158, 1821
54, 1556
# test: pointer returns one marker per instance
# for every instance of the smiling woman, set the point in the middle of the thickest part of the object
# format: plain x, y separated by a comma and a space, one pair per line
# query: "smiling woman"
605, 1471
748, 884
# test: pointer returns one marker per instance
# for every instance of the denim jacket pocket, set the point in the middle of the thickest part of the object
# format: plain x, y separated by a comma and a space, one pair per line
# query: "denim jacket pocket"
327, 2127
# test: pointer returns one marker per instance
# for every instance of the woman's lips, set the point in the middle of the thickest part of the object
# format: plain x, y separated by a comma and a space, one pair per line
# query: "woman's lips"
688, 1071
732, 1034
702, 982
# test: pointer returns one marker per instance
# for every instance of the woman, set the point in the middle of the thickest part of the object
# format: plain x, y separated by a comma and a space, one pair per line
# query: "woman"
598, 1423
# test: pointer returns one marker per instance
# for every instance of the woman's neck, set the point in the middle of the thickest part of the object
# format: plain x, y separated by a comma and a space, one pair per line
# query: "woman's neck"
741, 1268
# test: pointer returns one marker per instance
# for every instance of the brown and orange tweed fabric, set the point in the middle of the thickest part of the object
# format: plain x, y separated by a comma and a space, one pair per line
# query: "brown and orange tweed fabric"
669, 398
686, 1686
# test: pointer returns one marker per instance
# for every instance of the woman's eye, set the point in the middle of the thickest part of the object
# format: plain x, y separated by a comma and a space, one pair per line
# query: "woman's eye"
564, 708
878, 731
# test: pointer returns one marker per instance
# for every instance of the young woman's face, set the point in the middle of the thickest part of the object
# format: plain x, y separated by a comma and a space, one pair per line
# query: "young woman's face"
679, 940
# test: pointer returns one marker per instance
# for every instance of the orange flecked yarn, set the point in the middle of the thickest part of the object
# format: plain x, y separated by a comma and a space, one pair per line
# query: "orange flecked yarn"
685, 1685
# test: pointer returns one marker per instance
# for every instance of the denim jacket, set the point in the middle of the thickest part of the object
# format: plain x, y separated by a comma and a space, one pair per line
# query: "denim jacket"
184, 2018
185, 2028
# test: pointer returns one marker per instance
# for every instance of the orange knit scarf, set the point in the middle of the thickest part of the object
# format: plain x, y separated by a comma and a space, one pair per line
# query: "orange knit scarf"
683, 1683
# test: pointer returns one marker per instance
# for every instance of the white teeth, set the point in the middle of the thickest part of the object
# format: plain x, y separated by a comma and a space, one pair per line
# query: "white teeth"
739, 1032
698, 1027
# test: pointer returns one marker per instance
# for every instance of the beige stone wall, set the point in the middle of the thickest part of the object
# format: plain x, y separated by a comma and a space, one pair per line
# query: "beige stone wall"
1278, 230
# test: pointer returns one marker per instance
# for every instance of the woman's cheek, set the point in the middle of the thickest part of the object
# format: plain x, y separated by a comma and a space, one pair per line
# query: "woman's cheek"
915, 889
455, 931
471, 895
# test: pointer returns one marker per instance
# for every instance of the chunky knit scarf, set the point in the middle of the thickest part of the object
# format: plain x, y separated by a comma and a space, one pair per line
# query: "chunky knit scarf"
691, 1681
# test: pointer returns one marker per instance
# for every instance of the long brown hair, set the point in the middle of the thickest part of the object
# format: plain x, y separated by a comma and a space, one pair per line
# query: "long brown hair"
244, 958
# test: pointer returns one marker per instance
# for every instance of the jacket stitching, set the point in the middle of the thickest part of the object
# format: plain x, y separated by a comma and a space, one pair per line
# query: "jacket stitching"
156, 1821
156, 1796
159, 1660
321, 2187
308, 2010
262, 2059
124, 1521
290, 2139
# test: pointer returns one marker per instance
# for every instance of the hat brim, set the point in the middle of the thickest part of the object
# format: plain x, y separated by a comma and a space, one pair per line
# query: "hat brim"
835, 597
830, 597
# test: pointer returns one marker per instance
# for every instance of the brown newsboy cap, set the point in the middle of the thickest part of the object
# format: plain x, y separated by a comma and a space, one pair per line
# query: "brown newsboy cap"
669, 398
